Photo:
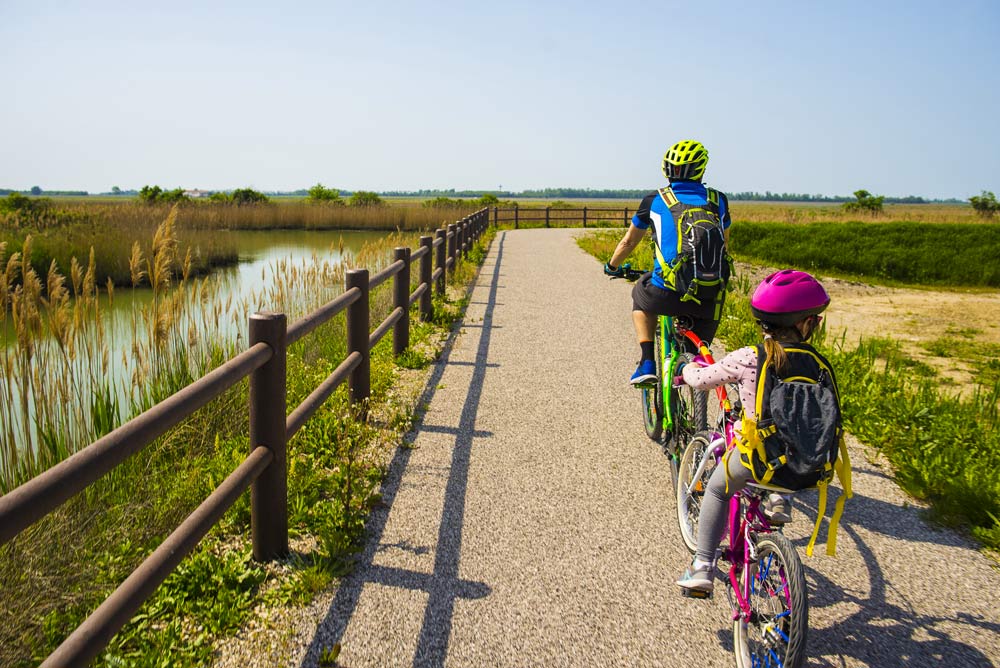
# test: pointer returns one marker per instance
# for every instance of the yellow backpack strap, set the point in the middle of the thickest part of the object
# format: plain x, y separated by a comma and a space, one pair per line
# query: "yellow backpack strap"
842, 468
820, 514
670, 199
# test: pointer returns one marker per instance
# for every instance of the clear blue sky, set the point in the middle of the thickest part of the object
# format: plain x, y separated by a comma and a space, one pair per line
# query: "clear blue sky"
896, 97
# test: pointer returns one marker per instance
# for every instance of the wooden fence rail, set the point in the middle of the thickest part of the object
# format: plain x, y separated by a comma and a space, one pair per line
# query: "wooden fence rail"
264, 470
549, 215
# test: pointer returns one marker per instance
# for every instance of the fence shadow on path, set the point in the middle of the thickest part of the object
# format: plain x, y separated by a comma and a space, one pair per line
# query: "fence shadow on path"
443, 585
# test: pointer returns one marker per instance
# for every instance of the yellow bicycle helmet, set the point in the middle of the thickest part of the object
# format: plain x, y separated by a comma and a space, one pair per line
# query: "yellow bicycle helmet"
685, 161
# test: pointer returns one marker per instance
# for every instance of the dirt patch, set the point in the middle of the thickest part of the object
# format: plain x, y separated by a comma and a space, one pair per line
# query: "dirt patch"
914, 318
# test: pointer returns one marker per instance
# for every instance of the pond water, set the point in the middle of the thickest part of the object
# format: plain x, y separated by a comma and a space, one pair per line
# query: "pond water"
221, 318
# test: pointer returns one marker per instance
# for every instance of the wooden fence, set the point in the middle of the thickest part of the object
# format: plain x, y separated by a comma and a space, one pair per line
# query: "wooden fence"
558, 217
264, 470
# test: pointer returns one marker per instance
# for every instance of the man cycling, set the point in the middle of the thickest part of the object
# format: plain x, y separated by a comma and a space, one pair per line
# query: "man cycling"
691, 267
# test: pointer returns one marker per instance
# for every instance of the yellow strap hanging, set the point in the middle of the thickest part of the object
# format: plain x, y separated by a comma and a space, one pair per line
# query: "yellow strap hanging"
843, 469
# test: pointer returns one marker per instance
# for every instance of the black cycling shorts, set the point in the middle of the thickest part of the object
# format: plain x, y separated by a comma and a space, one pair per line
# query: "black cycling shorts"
659, 301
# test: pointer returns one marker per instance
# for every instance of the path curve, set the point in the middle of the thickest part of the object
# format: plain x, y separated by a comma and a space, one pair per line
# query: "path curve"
532, 523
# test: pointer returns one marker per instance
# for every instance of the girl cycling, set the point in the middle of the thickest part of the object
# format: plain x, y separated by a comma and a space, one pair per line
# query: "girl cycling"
786, 305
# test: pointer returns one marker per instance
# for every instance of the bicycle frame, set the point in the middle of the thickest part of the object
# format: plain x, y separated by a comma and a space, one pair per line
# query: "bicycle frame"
669, 354
740, 551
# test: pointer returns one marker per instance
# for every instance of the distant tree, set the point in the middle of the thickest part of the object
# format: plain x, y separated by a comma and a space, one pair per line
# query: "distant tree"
489, 199
219, 197
366, 198
157, 195
985, 205
321, 194
246, 196
866, 202
115, 190
150, 194
36, 191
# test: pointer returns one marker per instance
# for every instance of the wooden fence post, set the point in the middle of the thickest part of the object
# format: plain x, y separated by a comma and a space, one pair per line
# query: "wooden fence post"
452, 244
515, 217
358, 324
442, 253
401, 299
426, 270
584, 216
546, 216
269, 492
496, 212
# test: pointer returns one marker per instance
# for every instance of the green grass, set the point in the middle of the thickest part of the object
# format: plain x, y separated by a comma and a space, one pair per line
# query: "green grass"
937, 254
944, 448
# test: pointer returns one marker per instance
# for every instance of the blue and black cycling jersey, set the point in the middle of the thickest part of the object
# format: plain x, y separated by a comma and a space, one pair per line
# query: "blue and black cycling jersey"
653, 212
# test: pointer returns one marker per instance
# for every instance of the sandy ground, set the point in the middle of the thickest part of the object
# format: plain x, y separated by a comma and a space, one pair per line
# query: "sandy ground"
912, 317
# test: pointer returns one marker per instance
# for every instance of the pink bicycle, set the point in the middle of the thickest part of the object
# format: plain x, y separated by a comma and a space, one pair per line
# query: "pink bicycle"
766, 584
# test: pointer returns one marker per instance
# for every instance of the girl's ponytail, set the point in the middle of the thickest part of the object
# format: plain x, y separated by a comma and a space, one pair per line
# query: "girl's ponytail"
773, 338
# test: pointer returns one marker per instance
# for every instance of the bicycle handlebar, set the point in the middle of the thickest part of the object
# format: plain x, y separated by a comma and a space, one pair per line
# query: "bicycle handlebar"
629, 274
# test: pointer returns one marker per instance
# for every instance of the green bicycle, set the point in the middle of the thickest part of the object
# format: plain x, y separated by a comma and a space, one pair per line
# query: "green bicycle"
671, 415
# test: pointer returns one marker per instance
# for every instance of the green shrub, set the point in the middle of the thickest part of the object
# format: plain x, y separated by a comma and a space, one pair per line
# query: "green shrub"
366, 198
866, 203
246, 196
321, 194
985, 205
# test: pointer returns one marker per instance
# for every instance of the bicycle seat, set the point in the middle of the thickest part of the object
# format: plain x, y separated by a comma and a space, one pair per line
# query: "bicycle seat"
683, 322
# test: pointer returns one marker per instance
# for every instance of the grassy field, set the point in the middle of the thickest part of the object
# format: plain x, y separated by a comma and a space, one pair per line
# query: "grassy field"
945, 448
953, 254
54, 574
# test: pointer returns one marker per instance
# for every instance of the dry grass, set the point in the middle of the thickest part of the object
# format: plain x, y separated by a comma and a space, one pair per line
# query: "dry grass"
787, 212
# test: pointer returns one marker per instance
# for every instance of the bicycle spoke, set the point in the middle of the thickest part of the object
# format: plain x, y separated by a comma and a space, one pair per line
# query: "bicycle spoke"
774, 634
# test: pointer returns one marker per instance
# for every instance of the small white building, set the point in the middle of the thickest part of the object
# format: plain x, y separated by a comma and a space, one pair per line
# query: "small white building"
197, 194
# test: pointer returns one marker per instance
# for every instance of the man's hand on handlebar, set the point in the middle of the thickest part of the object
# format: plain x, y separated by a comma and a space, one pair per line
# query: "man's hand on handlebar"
615, 272
624, 271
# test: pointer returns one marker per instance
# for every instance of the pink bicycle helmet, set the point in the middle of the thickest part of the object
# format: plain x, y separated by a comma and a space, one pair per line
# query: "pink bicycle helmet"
787, 296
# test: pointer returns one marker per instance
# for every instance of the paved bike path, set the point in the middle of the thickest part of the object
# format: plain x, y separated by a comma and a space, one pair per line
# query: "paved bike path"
532, 523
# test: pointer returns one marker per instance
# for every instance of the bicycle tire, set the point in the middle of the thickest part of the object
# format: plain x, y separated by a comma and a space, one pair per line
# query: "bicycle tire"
690, 410
779, 607
652, 400
690, 491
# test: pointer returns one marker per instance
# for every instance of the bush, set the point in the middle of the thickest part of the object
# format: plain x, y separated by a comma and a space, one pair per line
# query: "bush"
18, 203
866, 203
157, 195
245, 196
985, 205
320, 194
366, 198
442, 203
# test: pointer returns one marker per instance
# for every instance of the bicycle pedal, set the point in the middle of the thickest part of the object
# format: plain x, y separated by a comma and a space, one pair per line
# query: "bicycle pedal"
695, 593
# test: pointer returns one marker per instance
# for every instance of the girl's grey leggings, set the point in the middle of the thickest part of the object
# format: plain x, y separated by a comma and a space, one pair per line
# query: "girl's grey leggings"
715, 504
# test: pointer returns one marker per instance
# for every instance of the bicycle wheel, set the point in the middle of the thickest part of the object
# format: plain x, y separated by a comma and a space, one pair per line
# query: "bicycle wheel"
691, 489
690, 410
775, 634
652, 399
